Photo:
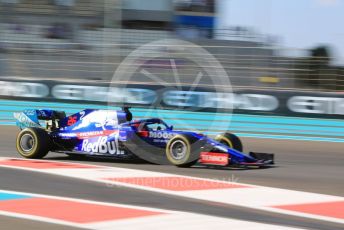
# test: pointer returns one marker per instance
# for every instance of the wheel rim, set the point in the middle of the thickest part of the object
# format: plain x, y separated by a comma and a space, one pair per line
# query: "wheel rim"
27, 142
178, 150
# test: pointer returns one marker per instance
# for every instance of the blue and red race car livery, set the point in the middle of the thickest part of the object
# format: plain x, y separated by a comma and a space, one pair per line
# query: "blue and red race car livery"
111, 133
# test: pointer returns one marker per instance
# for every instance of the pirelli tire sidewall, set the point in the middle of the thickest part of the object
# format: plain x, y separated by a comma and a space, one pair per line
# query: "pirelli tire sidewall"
231, 140
41, 143
193, 146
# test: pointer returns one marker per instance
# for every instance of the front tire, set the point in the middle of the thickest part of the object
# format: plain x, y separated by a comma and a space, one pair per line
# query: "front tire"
230, 140
182, 150
33, 143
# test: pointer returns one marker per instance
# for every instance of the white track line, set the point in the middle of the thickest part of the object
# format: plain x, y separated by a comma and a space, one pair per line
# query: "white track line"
250, 196
167, 220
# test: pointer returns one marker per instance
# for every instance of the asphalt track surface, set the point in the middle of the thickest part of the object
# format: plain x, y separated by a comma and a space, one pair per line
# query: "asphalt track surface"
301, 165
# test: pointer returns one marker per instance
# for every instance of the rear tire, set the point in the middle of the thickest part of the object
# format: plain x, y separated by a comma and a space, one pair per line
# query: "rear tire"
182, 150
230, 140
33, 143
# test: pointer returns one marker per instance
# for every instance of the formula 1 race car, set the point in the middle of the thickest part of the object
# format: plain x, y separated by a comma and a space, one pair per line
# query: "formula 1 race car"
114, 134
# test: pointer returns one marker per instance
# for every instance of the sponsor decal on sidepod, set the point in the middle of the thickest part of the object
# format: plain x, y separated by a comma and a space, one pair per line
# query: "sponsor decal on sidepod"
101, 145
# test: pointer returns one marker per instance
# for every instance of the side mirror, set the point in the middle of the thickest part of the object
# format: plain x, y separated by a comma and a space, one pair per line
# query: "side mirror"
171, 127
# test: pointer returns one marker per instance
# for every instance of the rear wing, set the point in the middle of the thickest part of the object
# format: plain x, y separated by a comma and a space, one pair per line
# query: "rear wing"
55, 119
31, 117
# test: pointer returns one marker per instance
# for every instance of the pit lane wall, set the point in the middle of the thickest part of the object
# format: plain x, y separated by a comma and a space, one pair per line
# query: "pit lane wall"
246, 101
257, 113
